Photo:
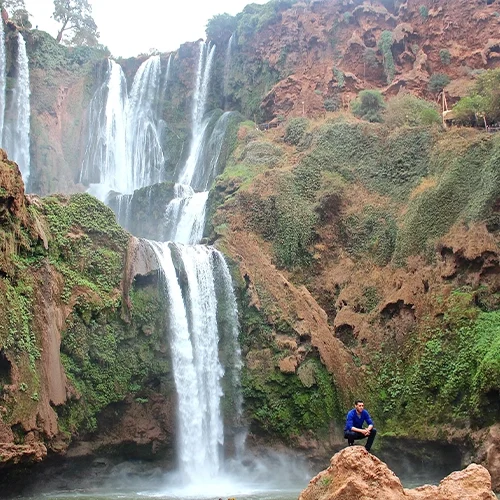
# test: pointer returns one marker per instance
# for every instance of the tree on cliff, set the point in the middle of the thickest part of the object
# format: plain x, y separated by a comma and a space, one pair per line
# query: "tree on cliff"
483, 100
76, 19
17, 12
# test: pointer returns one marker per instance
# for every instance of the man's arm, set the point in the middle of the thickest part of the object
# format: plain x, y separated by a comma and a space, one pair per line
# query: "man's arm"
369, 421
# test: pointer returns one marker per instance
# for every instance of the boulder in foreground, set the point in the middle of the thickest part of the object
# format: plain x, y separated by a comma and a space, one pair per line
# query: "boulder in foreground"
355, 474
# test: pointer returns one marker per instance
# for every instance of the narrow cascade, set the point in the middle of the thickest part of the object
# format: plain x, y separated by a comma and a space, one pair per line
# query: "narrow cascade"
199, 125
192, 313
208, 168
2, 81
104, 164
145, 153
16, 139
185, 215
166, 78
227, 67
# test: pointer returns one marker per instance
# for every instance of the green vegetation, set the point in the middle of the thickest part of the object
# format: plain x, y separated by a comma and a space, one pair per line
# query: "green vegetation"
220, 28
467, 182
339, 76
286, 405
409, 110
45, 53
385, 46
331, 104
369, 105
295, 130
17, 12
106, 359
280, 404
438, 82
445, 56
370, 235
454, 373
424, 11
75, 18
483, 101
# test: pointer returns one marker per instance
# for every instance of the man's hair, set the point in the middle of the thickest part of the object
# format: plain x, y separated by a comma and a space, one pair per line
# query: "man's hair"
358, 401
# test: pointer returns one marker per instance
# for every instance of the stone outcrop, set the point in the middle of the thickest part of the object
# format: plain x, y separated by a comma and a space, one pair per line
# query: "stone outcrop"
354, 473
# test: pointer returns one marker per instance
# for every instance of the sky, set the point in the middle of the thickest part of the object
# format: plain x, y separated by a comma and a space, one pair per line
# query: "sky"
148, 24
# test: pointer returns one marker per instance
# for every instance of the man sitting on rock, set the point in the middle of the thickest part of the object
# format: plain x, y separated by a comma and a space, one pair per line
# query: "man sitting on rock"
354, 425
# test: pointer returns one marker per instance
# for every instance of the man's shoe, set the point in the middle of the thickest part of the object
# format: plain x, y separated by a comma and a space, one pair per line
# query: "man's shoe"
350, 443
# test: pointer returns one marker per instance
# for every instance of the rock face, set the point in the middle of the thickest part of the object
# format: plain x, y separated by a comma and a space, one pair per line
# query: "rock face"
356, 474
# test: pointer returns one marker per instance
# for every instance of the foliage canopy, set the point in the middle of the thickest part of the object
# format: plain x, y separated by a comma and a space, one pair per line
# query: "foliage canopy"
76, 21
369, 105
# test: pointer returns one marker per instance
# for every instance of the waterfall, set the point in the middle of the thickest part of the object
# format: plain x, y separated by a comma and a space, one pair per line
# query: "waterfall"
2, 80
145, 153
211, 153
199, 104
123, 149
17, 123
185, 215
192, 313
227, 67
166, 78
104, 165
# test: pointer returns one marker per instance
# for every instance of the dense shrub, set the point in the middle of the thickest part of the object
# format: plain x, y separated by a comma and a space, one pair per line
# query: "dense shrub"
409, 110
445, 56
482, 101
385, 46
438, 82
220, 28
369, 105
295, 130
332, 104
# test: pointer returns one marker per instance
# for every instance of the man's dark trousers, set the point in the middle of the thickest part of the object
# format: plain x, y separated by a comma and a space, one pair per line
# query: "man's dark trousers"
351, 436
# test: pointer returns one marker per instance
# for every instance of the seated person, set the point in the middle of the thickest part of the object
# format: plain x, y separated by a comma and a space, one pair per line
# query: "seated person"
354, 425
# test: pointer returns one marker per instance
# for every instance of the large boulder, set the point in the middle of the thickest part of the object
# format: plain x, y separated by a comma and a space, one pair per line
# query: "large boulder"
356, 474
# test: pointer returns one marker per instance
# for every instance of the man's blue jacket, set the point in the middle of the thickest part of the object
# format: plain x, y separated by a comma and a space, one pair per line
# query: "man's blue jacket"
353, 420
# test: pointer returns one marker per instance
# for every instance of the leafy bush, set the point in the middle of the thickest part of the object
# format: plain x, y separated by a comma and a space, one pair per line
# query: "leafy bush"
424, 11
409, 110
385, 46
261, 153
445, 56
220, 28
369, 105
295, 130
483, 100
331, 104
438, 82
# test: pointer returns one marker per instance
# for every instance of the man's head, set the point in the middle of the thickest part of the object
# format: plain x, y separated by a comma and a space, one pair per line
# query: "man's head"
359, 405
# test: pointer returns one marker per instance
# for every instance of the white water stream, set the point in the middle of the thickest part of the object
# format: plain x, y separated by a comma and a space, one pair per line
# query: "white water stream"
16, 127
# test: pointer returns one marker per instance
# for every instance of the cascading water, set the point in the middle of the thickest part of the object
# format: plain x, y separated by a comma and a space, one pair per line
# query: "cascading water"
2, 81
196, 367
227, 67
199, 125
123, 149
204, 301
145, 154
16, 139
105, 160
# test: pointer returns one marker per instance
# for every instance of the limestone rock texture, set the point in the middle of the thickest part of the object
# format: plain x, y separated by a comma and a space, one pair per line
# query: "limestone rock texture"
355, 474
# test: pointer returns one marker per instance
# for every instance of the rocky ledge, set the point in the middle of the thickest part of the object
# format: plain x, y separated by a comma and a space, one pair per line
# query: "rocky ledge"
354, 474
